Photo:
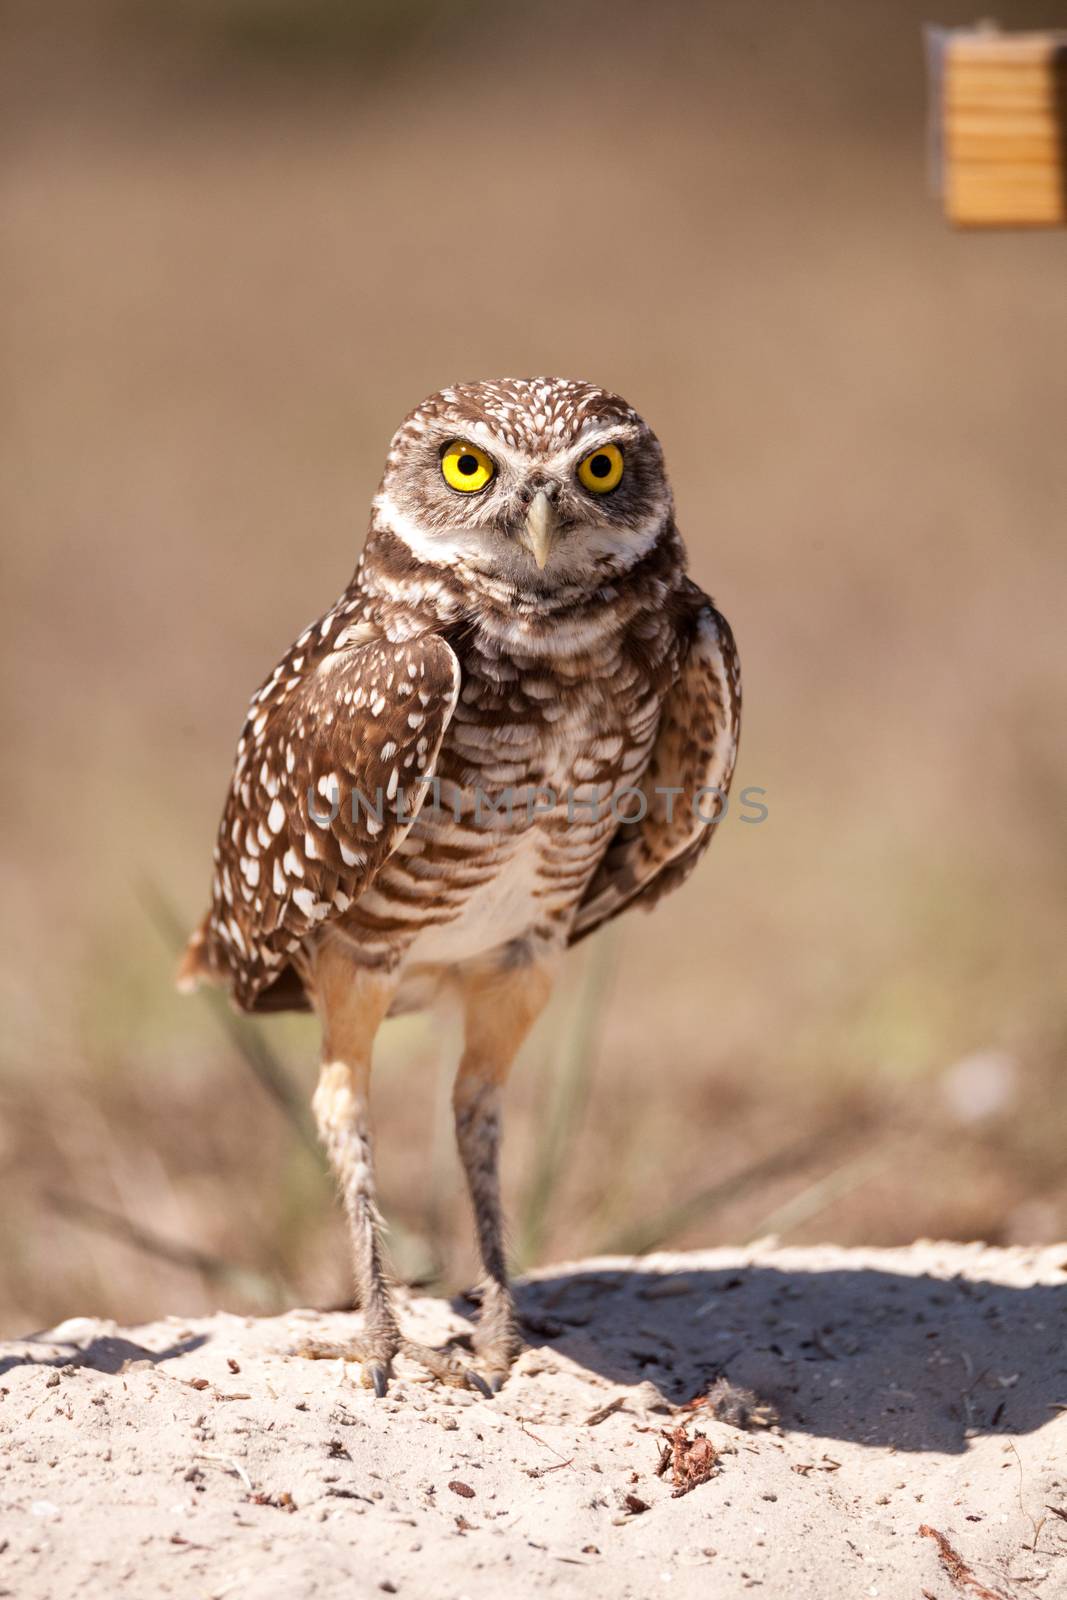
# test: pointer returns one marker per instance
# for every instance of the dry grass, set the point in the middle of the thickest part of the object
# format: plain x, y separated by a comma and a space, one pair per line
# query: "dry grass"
223, 291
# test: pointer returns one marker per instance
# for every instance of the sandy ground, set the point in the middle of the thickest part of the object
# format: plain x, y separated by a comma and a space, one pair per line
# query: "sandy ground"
916, 1389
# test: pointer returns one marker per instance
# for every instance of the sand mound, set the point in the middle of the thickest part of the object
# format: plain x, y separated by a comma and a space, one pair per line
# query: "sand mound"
920, 1447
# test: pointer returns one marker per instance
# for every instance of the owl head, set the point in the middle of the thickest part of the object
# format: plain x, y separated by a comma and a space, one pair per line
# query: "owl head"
537, 482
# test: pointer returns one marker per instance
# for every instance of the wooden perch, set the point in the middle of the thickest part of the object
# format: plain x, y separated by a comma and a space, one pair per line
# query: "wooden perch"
1000, 126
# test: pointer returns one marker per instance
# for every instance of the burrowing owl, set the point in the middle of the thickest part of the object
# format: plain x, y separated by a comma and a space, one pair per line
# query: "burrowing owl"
519, 719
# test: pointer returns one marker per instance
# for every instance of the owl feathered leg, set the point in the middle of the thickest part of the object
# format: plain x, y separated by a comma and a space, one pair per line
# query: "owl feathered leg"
501, 1003
351, 1002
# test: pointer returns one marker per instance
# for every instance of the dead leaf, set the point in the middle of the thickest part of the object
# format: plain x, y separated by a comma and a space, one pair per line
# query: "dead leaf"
692, 1460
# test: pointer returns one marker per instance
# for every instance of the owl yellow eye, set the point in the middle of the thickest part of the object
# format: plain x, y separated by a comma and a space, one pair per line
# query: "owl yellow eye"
465, 467
602, 469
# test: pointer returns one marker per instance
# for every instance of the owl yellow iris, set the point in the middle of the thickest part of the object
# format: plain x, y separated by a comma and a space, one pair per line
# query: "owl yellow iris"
602, 469
465, 467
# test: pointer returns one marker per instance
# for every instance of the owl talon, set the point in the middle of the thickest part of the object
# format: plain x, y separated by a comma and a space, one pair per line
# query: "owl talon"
375, 1364
375, 1376
444, 1366
497, 1342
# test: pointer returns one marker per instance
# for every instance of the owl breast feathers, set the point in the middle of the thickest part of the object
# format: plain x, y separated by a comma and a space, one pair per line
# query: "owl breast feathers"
520, 718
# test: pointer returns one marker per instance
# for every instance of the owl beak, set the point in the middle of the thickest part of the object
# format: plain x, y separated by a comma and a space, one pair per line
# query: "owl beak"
542, 525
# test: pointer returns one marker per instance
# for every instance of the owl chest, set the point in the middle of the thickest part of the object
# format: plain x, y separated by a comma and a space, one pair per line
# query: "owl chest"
533, 727
521, 812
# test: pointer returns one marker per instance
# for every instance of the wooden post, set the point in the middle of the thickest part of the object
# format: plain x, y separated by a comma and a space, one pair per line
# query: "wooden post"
999, 120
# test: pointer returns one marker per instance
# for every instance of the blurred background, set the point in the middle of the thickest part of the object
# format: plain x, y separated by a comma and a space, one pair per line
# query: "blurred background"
241, 238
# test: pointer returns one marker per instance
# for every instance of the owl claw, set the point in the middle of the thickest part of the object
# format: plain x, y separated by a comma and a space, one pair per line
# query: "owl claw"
375, 1376
375, 1366
446, 1367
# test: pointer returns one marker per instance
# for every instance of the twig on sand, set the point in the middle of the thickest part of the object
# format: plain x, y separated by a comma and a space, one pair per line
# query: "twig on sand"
564, 1461
602, 1413
956, 1569
231, 1466
1034, 1522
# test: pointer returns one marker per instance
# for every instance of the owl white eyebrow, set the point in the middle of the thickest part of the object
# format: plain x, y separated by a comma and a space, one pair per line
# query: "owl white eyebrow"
595, 440
561, 460
480, 434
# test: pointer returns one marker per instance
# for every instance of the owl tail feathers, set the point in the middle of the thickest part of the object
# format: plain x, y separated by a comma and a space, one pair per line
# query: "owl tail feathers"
196, 966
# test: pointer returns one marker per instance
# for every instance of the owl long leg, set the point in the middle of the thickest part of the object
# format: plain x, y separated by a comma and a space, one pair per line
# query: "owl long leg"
351, 1002
500, 1005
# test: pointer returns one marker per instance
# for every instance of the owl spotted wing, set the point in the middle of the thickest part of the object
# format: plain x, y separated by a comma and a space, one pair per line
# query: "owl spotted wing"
325, 787
685, 782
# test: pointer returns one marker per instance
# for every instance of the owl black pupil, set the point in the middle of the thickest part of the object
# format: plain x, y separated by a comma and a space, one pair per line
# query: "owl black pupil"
468, 465
600, 466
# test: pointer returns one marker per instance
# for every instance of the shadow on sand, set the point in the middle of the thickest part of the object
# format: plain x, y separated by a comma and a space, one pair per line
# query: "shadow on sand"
107, 1353
872, 1356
